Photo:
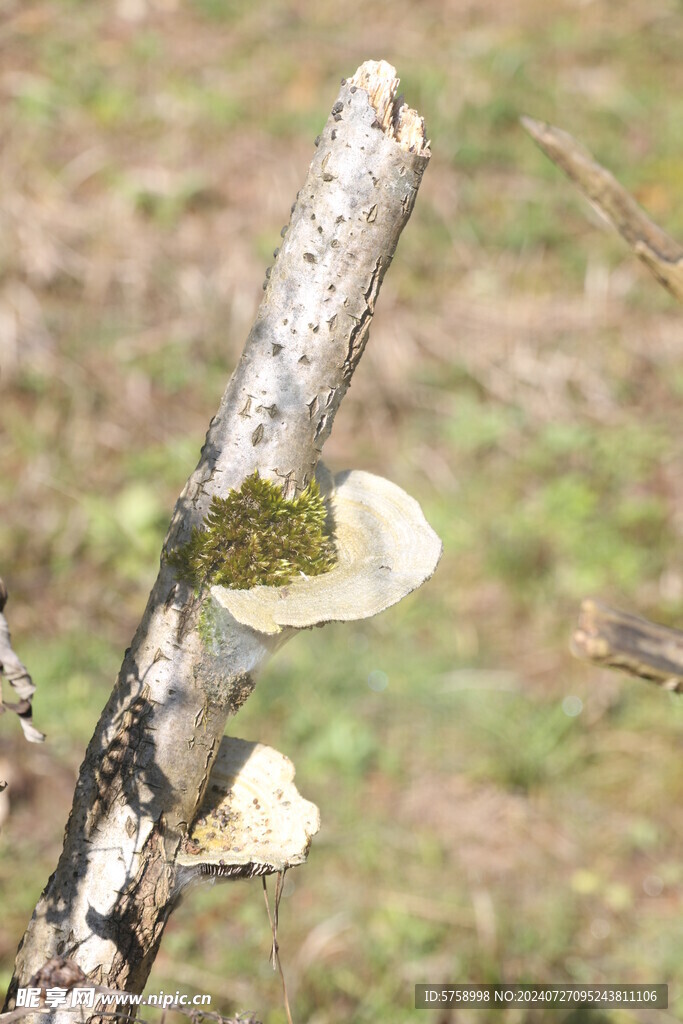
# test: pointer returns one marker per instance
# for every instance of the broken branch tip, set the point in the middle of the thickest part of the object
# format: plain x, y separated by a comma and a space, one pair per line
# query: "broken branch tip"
397, 120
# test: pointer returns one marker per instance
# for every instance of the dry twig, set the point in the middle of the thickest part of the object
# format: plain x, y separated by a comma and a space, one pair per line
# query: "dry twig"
609, 637
17, 675
661, 253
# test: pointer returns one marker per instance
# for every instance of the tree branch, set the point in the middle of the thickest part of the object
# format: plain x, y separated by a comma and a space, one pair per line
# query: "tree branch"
147, 764
609, 637
661, 253
17, 675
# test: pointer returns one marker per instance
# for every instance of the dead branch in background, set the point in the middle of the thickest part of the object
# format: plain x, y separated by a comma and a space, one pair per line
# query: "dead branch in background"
661, 253
607, 636
17, 675
615, 639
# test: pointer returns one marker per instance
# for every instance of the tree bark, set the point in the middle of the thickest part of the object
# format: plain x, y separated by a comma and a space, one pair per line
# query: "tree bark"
147, 764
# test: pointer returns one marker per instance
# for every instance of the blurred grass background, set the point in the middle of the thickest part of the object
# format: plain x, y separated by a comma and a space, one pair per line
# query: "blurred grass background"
492, 810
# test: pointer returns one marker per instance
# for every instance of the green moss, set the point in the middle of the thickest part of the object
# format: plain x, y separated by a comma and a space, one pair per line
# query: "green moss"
254, 536
208, 630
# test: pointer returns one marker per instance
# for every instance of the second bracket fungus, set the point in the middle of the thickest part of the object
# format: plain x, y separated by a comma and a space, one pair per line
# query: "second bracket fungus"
252, 820
385, 549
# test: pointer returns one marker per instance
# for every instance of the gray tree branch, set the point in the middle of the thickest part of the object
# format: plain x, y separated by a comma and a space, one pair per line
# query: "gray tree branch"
146, 767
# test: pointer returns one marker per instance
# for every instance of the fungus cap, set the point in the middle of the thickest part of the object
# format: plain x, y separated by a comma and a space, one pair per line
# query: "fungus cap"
252, 820
385, 549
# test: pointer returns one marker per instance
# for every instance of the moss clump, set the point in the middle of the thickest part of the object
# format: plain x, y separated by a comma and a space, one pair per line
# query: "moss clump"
255, 537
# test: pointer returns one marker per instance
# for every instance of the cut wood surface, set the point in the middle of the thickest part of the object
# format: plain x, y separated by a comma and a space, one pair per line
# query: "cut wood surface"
145, 770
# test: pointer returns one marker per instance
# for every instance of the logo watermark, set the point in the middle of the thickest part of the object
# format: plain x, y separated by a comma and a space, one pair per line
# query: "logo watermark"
89, 996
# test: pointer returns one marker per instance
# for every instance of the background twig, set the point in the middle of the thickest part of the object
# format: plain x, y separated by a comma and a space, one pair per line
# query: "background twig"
661, 253
616, 639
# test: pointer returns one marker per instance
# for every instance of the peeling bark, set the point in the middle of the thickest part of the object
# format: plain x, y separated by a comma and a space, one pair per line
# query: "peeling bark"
146, 767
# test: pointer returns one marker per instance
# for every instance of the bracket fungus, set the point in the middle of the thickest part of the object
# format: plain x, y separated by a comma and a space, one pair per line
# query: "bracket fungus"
252, 820
385, 549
